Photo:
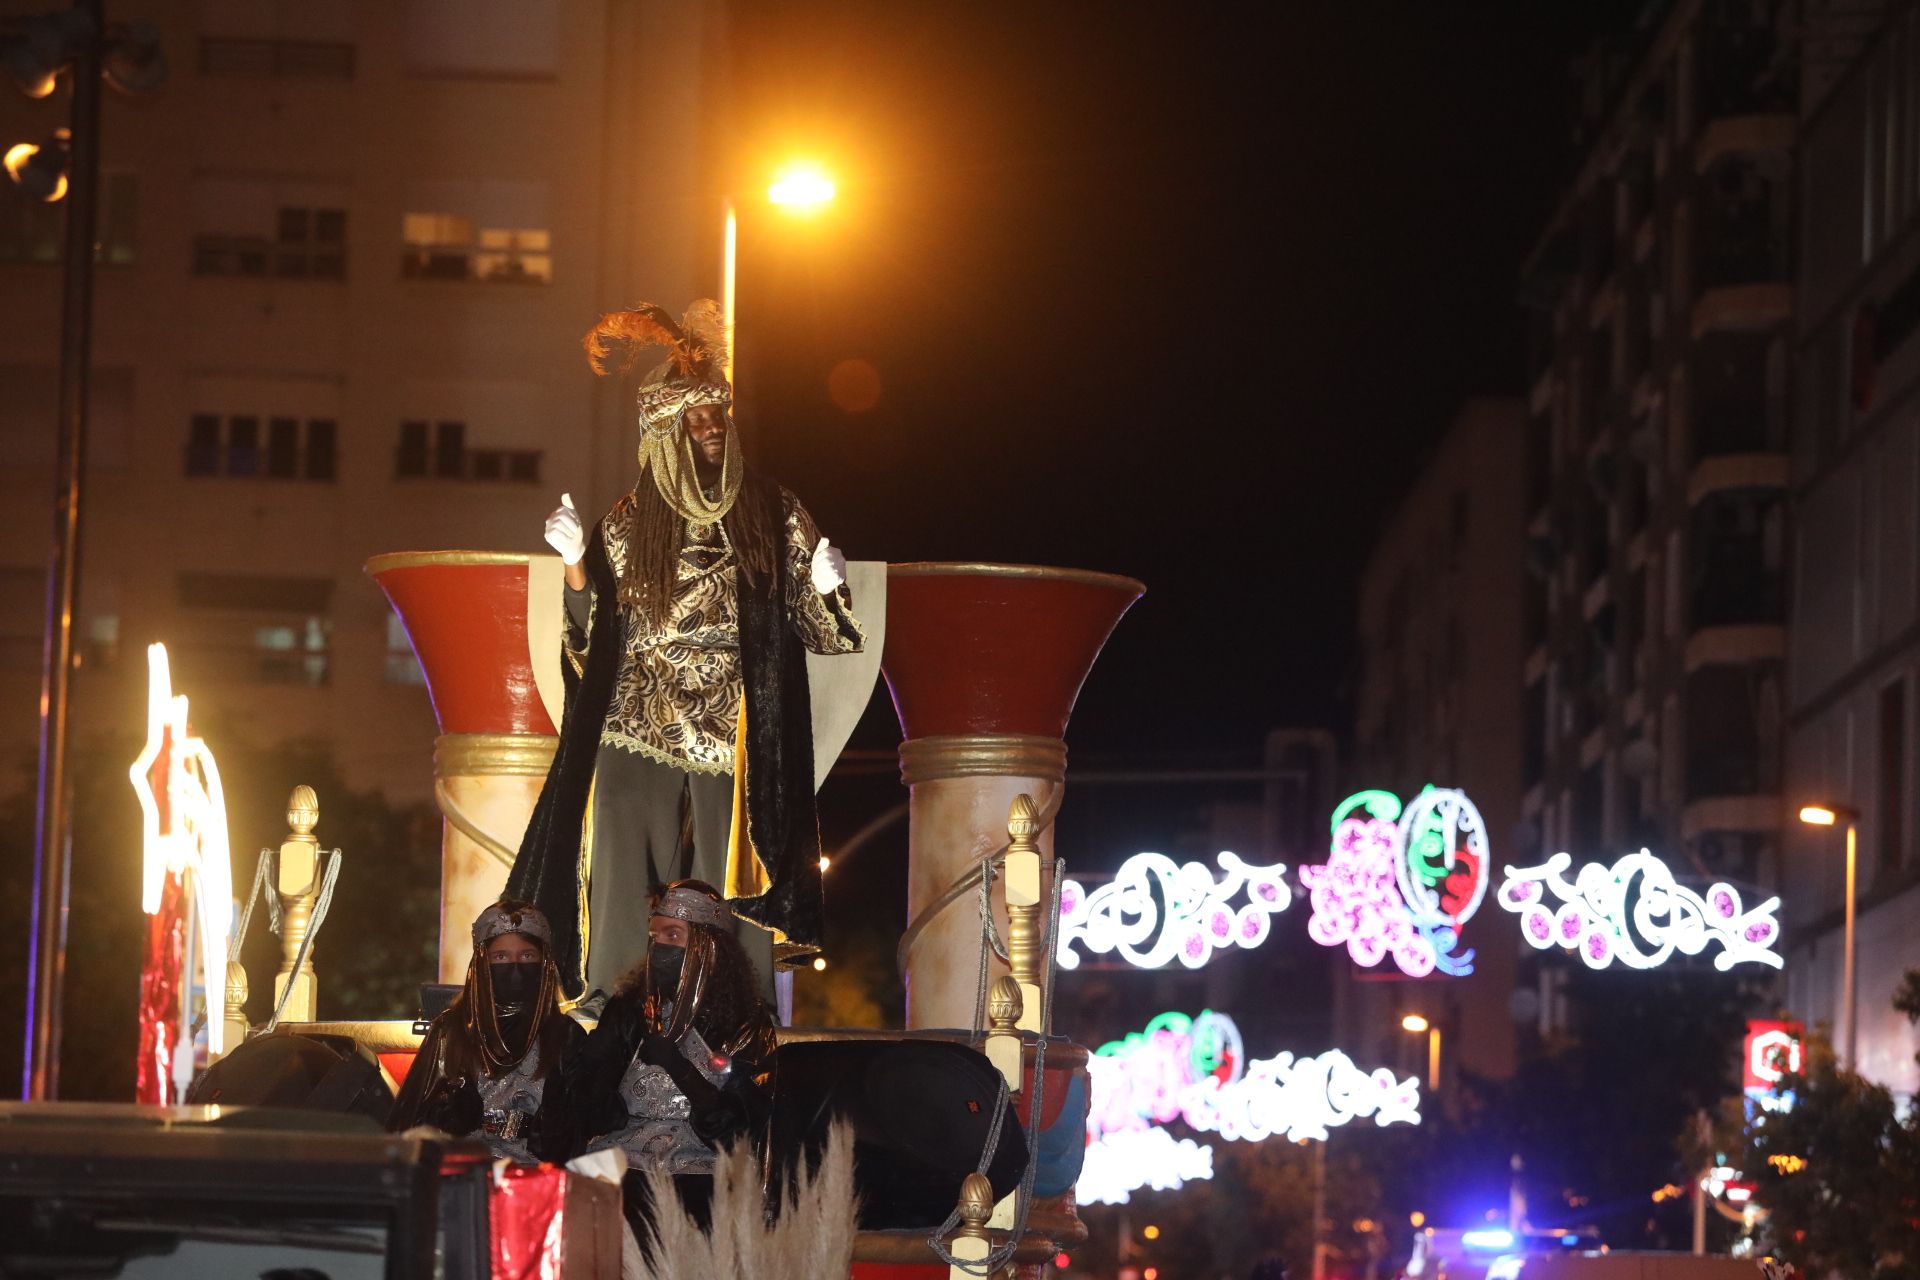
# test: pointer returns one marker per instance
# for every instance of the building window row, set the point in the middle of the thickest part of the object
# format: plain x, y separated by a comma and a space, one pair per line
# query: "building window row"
439, 451
306, 244
33, 231
287, 448
447, 246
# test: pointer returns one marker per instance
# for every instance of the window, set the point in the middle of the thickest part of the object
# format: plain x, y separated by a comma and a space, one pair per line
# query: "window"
321, 434
283, 448
203, 445
492, 230
402, 666
1893, 772
410, 459
303, 59
445, 246
243, 446
449, 449
292, 653
258, 228
33, 231
451, 459
233, 447
253, 626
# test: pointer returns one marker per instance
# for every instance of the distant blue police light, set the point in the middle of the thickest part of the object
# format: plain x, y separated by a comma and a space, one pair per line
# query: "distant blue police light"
1569, 1239
1495, 1238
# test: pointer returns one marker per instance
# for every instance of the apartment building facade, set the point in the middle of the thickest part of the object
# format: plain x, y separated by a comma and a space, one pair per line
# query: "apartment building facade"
346, 256
1655, 599
1854, 648
1440, 639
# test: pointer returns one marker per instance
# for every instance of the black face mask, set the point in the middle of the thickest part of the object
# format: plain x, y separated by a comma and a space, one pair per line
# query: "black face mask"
518, 983
664, 962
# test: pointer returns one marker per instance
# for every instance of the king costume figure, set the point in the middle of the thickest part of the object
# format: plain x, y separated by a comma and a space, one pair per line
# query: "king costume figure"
690, 609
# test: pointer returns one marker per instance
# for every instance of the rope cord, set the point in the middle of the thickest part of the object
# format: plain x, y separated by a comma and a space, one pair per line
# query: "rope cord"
953, 892
314, 922
1023, 1195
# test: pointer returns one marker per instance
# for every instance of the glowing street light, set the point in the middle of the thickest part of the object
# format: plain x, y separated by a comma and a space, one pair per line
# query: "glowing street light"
40, 169
1415, 1024
1827, 815
801, 188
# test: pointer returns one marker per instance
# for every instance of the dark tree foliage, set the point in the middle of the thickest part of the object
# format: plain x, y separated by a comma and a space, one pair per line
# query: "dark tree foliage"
1839, 1174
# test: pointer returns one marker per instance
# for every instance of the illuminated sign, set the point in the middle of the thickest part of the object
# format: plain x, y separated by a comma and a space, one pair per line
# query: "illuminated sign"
1401, 881
186, 890
1154, 910
1771, 1053
1195, 1070
1635, 912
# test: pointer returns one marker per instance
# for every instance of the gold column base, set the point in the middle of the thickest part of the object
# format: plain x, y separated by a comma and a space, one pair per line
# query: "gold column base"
486, 785
982, 755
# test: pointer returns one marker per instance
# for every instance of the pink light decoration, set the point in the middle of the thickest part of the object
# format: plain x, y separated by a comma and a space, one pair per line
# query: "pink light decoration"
1356, 893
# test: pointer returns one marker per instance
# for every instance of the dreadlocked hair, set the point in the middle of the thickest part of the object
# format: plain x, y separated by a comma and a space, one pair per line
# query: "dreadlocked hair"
460, 1018
730, 999
755, 526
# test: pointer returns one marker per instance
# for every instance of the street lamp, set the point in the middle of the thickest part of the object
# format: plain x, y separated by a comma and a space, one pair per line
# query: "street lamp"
801, 188
1414, 1024
1827, 815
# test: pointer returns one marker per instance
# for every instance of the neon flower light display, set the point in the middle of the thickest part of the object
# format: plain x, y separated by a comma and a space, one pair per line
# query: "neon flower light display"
1154, 910
1195, 1070
1635, 912
1401, 881
186, 890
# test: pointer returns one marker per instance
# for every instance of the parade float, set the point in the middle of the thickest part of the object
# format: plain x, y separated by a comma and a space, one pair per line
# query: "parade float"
984, 663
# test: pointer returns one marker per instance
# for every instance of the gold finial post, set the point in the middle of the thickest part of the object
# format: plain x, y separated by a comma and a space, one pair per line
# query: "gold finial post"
1026, 944
236, 1027
1004, 1006
297, 881
970, 1241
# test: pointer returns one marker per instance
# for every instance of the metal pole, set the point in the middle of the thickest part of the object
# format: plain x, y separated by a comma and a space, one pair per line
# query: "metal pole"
1319, 1209
1433, 1059
52, 855
1847, 1001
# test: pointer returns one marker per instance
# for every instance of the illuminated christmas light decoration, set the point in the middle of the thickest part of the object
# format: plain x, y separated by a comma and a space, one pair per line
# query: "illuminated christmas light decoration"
1154, 910
1442, 870
1195, 1070
1636, 912
186, 891
1133, 1160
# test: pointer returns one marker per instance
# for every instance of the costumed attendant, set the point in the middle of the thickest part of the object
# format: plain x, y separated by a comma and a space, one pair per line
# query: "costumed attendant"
690, 609
681, 1063
485, 1063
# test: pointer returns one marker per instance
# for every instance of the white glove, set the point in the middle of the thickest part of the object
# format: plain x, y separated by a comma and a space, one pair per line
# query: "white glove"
564, 531
829, 568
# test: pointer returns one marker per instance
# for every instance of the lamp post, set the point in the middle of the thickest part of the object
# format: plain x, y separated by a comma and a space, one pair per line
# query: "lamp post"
1827, 815
801, 189
1415, 1024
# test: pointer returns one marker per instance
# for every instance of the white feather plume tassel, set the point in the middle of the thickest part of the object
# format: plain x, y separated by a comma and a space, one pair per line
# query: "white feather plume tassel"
811, 1240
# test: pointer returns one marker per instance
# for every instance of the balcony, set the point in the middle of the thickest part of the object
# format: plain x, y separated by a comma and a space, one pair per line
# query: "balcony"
1734, 560
1733, 731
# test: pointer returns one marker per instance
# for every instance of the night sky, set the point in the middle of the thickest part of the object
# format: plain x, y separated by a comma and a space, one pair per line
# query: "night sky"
1178, 291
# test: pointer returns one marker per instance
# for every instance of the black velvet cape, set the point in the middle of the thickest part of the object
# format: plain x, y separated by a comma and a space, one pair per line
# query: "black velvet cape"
781, 818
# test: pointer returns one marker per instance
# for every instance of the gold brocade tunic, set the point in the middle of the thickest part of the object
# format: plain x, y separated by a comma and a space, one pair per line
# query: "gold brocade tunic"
676, 698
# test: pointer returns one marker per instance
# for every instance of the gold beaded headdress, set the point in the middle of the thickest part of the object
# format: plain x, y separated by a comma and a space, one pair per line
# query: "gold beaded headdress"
691, 375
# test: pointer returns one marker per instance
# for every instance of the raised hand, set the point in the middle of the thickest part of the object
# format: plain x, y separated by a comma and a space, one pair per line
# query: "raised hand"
565, 533
829, 568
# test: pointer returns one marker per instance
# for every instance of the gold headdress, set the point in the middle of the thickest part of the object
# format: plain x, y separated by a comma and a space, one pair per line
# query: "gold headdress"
691, 375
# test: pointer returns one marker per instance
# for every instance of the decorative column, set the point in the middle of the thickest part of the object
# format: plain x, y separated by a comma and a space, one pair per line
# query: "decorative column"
476, 620
984, 662
297, 883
